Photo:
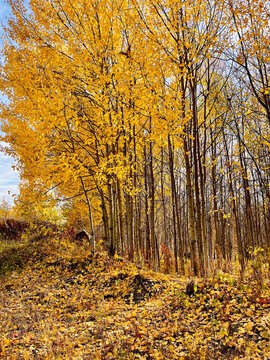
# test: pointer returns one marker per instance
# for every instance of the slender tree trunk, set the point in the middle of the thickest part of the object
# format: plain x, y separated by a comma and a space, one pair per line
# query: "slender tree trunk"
234, 209
152, 207
146, 207
121, 217
165, 231
193, 242
178, 246
92, 231
196, 180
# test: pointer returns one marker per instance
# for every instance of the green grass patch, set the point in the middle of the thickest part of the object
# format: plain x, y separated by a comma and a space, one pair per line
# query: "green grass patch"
14, 255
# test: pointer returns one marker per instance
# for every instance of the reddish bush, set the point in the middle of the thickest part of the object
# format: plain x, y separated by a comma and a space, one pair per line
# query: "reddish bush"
12, 229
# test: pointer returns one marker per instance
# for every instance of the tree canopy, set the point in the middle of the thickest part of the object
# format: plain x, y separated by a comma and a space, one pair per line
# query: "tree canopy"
155, 113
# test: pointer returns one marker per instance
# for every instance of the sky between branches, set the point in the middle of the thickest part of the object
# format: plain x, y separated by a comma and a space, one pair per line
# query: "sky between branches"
9, 178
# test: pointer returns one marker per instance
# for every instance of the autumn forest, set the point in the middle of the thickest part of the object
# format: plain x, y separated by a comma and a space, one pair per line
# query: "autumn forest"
149, 120
140, 130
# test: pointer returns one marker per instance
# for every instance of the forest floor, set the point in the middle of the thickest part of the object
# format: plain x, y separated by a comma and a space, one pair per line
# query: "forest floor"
69, 304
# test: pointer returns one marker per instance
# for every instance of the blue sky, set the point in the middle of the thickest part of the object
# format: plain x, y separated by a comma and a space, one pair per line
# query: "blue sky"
9, 179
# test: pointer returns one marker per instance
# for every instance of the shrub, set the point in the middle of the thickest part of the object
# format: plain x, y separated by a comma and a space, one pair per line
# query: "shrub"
12, 230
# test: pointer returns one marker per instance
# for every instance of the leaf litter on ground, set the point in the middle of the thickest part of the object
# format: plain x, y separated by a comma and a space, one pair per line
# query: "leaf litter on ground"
96, 307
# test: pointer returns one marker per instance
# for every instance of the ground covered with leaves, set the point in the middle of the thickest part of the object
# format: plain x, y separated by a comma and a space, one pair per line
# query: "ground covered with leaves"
72, 305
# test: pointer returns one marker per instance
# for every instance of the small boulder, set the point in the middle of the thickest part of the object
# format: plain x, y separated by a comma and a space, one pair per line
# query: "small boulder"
82, 236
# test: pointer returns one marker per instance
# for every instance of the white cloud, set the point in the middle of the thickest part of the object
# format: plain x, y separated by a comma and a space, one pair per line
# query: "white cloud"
6, 191
7, 174
9, 178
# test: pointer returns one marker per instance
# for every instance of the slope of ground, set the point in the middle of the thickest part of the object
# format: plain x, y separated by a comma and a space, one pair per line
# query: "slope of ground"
79, 306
